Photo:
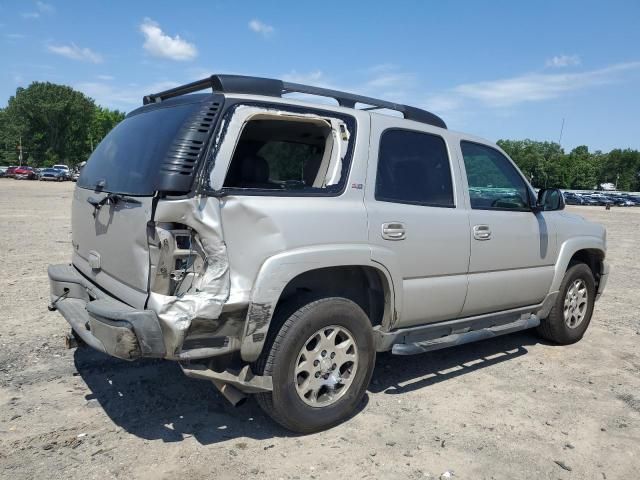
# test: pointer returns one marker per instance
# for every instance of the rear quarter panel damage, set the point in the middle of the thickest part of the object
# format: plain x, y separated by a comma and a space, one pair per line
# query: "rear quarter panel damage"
207, 296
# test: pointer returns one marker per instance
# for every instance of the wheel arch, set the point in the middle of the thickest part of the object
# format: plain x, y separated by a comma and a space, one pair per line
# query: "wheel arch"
330, 270
588, 250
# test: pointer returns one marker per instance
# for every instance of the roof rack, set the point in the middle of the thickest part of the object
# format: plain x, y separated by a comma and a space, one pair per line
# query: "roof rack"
277, 88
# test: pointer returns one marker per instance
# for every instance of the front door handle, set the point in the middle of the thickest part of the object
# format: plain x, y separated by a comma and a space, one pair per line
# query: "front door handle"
482, 232
393, 231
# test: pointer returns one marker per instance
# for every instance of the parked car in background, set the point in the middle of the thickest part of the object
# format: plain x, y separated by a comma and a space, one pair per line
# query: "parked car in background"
3, 170
635, 199
600, 199
52, 174
571, 198
10, 172
589, 200
621, 201
24, 173
65, 170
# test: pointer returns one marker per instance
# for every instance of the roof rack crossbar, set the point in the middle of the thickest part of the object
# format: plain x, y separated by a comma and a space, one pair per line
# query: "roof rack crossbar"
277, 88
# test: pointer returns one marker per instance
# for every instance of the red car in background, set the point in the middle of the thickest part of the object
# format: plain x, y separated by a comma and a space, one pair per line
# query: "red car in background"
10, 172
23, 173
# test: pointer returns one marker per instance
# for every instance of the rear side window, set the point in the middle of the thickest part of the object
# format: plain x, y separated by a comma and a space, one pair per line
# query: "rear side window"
494, 183
413, 168
289, 154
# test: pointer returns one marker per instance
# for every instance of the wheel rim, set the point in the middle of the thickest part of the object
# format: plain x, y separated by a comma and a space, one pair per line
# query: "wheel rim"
326, 366
576, 303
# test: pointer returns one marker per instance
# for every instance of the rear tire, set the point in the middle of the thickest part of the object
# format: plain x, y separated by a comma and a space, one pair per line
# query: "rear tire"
571, 313
321, 361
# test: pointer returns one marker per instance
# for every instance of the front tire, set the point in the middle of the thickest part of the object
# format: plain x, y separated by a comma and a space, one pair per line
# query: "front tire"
573, 308
321, 362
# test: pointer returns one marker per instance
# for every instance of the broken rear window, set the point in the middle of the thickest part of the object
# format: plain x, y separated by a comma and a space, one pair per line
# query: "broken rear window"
286, 152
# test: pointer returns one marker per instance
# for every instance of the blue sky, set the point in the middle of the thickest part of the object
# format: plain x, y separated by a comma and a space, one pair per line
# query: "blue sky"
499, 69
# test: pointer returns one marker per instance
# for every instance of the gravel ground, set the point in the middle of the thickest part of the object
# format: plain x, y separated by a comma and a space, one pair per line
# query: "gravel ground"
511, 407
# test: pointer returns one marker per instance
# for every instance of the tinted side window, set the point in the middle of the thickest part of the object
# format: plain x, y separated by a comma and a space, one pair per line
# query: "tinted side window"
413, 167
494, 183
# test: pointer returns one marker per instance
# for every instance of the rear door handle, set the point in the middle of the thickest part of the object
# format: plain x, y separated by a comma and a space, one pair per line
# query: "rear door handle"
393, 231
482, 232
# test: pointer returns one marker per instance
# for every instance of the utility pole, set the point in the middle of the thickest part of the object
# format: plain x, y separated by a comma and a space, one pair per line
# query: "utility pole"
561, 130
20, 151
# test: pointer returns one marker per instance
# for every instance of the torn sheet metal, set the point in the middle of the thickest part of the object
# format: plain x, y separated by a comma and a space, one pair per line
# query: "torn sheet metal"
231, 130
209, 290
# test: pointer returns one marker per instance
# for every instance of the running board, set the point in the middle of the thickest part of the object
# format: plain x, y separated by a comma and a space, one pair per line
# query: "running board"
461, 338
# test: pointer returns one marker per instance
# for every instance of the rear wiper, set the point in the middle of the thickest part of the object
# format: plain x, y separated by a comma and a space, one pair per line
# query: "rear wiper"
110, 199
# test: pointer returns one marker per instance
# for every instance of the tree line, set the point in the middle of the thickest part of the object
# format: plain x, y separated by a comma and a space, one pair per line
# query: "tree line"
547, 165
53, 124
57, 124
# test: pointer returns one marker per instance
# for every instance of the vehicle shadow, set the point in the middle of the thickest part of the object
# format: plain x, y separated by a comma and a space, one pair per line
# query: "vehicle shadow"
153, 399
396, 374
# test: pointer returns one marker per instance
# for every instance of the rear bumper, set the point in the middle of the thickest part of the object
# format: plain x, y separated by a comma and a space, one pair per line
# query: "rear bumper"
102, 321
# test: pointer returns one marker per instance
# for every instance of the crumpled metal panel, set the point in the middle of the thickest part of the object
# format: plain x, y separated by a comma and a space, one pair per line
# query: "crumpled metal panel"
210, 290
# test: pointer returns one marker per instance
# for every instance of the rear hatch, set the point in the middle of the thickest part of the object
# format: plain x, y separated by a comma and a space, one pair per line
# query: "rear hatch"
153, 152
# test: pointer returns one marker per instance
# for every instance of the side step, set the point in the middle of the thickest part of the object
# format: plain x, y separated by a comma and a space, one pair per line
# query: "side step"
460, 338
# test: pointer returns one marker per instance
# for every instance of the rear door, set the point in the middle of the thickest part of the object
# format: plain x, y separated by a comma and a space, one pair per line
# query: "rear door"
417, 219
512, 249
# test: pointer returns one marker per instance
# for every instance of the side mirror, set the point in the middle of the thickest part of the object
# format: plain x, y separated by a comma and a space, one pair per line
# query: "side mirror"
550, 199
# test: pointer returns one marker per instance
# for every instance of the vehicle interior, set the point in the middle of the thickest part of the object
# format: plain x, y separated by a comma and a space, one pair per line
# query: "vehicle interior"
283, 153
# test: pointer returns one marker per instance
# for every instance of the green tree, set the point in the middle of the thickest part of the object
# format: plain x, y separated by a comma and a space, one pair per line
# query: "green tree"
541, 162
55, 123
102, 123
622, 167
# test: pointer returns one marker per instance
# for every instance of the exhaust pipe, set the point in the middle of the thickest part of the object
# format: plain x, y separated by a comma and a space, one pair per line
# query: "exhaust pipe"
231, 393
73, 340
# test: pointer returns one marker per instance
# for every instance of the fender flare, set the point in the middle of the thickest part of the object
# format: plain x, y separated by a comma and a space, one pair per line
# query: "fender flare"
567, 250
277, 271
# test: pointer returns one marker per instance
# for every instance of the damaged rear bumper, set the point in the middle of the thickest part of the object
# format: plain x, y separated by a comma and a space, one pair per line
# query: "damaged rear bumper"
102, 321
117, 329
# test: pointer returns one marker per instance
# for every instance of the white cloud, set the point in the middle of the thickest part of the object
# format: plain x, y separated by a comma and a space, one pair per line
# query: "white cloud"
14, 36
262, 28
531, 87
42, 8
564, 61
389, 82
106, 78
315, 77
122, 97
159, 44
75, 52
45, 7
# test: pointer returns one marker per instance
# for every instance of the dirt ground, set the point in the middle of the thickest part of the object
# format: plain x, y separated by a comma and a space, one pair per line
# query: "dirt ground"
511, 407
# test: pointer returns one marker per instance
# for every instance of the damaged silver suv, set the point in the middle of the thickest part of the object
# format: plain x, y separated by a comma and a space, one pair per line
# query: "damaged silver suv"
272, 246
